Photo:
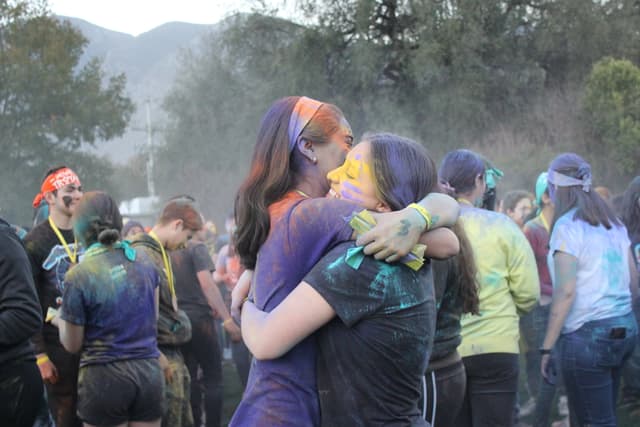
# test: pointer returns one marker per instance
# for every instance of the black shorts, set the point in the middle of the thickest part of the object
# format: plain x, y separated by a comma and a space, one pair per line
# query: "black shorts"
117, 392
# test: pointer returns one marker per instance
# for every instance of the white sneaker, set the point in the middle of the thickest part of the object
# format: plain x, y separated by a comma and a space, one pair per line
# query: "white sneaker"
563, 406
561, 423
527, 408
226, 354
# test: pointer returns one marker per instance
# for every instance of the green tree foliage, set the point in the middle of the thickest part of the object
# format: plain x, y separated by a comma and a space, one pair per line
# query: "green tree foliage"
571, 35
494, 75
48, 106
612, 107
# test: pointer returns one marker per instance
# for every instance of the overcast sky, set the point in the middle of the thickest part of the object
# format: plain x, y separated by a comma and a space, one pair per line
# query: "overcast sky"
138, 16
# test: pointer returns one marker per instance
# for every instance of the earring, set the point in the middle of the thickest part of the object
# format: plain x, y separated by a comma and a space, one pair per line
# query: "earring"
314, 160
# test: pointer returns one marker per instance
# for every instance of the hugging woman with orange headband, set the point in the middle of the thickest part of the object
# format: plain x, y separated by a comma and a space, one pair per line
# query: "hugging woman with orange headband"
379, 317
285, 225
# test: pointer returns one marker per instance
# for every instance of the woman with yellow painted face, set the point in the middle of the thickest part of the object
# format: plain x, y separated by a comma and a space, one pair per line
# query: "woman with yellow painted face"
376, 320
285, 225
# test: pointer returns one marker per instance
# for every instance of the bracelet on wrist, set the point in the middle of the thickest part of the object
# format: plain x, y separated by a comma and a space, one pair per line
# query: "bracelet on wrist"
229, 319
42, 359
423, 213
544, 351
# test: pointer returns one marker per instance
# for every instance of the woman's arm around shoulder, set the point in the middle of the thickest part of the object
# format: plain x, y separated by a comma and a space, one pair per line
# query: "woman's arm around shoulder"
270, 335
396, 233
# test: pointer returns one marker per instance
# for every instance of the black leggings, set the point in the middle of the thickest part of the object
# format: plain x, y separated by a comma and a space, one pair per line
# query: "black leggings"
63, 395
203, 351
445, 388
492, 382
21, 393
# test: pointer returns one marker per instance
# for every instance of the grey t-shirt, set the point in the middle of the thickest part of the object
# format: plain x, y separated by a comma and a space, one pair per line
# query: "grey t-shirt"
186, 264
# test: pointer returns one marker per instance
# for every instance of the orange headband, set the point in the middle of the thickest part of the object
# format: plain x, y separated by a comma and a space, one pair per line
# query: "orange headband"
302, 113
55, 181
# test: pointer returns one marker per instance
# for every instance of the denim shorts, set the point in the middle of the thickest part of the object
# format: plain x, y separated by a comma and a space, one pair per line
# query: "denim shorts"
117, 392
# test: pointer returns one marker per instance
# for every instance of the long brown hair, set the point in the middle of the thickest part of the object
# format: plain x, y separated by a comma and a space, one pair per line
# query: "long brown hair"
405, 173
403, 170
590, 207
274, 170
631, 208
466, 265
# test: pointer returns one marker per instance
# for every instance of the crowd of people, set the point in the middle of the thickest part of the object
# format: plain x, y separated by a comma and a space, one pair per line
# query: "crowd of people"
360, 285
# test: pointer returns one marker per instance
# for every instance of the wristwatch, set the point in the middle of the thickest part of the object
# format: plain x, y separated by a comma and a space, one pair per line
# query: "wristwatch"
544, 351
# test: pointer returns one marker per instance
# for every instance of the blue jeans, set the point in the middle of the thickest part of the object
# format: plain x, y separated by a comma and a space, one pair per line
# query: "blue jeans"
591, 360
631, 369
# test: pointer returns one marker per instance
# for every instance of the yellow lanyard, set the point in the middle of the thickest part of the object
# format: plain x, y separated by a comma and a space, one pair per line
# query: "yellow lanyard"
303, 194
167, 267
544, 222
464, 201
72, 256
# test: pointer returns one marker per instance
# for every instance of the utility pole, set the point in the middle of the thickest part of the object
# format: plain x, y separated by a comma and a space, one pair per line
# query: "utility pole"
150, 185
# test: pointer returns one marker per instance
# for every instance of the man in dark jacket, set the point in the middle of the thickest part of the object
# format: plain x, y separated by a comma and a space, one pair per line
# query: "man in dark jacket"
21, 388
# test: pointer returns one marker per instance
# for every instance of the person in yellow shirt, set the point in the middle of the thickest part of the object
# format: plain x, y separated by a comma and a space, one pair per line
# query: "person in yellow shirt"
508, 286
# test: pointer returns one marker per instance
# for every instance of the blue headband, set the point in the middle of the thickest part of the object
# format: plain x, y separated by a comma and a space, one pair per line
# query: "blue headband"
541, 187
301, 115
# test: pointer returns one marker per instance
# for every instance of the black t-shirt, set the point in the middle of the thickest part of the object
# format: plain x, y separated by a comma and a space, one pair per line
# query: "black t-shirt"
449, 301
186, 264
49, 263
373, 354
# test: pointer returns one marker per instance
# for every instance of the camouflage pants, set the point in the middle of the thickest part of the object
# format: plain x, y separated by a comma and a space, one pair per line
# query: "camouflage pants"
177, 392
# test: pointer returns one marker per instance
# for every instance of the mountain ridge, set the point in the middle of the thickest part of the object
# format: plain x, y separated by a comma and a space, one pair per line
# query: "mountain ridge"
150, 62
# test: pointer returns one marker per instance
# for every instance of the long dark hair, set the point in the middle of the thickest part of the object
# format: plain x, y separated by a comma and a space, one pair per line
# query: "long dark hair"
403, 170
458, 171
404, 174
590, 207
631, 208
274, 171
97, 219
465, 263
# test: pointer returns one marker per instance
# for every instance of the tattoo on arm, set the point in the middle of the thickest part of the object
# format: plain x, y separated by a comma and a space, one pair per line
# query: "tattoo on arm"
404, 230
434, 221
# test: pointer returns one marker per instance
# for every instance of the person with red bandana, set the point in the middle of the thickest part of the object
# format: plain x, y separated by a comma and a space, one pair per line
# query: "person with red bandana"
52, 250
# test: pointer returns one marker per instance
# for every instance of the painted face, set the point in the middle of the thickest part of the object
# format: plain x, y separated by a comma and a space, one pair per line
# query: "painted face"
333, 154
67, 198
521, 211
354, 180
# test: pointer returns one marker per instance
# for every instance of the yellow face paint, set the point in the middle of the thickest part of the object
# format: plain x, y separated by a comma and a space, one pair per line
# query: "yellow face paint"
354, 180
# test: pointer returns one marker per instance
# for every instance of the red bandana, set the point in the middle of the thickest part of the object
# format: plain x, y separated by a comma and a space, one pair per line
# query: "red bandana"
55, 181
